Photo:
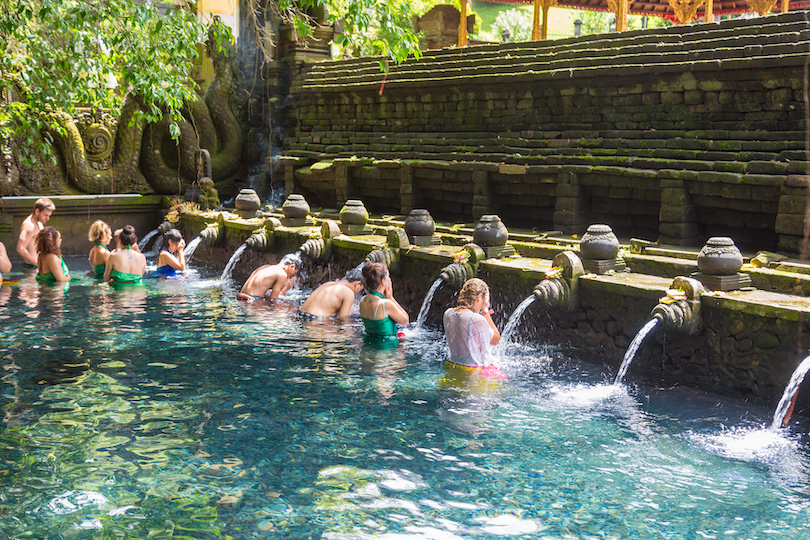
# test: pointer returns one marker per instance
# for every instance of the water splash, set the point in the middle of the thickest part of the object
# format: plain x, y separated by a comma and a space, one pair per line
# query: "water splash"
188, 253
145, 240
423, 311
631, 350
791, 388
226, 273
514, 319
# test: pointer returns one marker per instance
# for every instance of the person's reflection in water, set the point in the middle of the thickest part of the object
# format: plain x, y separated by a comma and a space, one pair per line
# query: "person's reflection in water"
384, 359
5, 295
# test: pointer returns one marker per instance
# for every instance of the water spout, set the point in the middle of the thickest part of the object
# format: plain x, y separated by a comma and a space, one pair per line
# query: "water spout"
631, 350
423, 311
211, 233
385, 255
317, 249
145, 240
514, 319
456, 274
680, 310
779, 416
226, 273
188, 252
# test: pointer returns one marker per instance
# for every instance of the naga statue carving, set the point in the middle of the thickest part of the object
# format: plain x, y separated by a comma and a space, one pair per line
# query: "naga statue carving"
210, 124
101, 155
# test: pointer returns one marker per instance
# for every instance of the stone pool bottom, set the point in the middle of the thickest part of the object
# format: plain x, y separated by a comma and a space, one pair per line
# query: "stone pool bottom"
173, 411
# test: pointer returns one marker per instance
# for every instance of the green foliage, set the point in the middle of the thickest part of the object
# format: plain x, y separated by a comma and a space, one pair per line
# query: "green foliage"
596, 22
371, 27
59, 54
517, 22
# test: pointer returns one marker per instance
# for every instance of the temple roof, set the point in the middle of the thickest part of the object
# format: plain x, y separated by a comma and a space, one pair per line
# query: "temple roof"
660, 8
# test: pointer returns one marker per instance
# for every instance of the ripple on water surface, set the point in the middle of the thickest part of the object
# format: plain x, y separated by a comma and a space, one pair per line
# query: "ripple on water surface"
176, 408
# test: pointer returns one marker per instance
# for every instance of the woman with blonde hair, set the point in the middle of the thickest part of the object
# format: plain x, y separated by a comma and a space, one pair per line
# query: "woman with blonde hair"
469, 326
100, 234
51, 268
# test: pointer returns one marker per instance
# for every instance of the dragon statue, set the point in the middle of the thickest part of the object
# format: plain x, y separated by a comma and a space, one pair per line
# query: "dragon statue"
209, 124
102, 155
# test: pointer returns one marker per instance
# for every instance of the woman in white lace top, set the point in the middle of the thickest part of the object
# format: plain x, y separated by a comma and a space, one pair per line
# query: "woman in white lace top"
469, 327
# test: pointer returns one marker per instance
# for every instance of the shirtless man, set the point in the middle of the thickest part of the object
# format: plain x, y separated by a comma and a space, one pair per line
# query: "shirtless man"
335, 296
271, 280
26, 245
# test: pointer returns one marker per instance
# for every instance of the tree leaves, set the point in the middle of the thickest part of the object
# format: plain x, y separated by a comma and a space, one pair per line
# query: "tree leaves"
56, 55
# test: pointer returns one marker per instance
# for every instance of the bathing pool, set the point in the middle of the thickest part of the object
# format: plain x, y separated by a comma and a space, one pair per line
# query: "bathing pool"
173, 411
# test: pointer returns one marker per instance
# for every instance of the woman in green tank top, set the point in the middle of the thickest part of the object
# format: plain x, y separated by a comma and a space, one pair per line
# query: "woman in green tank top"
50, 266
127, 264
379, 311
100, 234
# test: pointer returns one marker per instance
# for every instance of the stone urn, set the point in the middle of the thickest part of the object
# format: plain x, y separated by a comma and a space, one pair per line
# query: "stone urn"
247, 203
193, 193
295, 207
490, 231
599, 243
419, 223
719, 257
353, 213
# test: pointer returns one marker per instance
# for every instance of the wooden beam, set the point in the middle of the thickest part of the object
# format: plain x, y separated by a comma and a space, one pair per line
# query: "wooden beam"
536, 22
785, 6
546, 7
709, 14
462, 25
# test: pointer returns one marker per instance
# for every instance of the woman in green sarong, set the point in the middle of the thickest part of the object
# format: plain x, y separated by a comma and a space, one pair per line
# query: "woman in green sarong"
50, 266
127, 264
101, 235
379, 311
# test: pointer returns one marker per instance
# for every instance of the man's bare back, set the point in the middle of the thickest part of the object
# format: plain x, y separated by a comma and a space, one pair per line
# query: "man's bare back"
270, 280
335, 297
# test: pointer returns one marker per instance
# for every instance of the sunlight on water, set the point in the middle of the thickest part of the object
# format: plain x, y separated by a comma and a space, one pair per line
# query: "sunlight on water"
173, 409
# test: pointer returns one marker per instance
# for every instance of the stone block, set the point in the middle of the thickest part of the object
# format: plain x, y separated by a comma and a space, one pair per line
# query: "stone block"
767, 167
792, 204
792, 224
569, 204
679, 230
674, 197
678, 214
727, 178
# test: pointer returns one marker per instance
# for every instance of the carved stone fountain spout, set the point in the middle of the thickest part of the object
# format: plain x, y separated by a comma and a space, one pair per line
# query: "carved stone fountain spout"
680, 310
560, 289
466, 267
264, 239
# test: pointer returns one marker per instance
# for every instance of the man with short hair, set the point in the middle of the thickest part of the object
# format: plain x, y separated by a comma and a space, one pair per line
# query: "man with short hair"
271, 280
26, 245
335, 297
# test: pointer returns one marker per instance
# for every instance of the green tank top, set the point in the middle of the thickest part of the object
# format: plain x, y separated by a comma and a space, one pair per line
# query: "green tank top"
49, 278
385, 327
98, 269
121, 277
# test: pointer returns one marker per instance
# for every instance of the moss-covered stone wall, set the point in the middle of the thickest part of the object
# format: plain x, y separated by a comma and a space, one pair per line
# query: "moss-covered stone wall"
674, 134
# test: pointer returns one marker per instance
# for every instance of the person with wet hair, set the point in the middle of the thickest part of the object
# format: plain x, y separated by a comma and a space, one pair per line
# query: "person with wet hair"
171, 259
101, 235
51, 268
335, 297
126, 265
271, 280
469, 327
30, 228
379, 311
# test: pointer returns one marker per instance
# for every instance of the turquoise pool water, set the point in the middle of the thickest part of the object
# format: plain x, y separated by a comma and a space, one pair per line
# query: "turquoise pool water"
173, 411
